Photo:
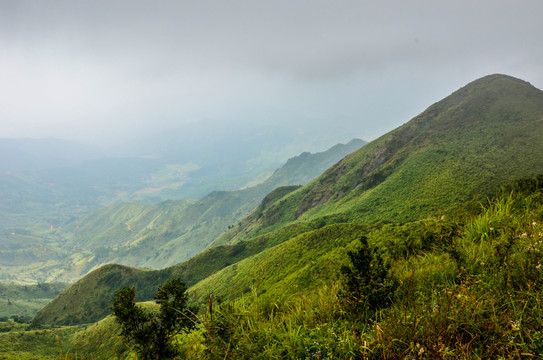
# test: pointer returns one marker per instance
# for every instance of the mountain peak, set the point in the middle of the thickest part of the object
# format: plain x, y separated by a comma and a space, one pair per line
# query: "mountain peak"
497, 77
485, 134
495, 85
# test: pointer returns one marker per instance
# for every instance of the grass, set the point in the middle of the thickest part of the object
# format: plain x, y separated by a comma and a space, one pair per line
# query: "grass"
23, 301
458, 301
484, 135
25, 344
290, 266
469, 276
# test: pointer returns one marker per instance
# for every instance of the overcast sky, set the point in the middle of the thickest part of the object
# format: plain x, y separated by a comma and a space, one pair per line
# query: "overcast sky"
97, 70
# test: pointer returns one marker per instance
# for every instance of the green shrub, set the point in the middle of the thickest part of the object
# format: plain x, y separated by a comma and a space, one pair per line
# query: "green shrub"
367, 284
152, 333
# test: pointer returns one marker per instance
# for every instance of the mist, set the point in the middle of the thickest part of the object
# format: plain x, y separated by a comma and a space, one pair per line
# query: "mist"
108, 72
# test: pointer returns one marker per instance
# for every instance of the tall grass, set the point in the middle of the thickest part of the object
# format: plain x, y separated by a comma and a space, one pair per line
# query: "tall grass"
471, 293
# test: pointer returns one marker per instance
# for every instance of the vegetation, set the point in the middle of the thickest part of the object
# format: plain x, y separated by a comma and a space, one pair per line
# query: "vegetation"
18, 342
152, 333
474, 292
367, 285
22, 302
407, 249
67, 246
476, 295
464, 286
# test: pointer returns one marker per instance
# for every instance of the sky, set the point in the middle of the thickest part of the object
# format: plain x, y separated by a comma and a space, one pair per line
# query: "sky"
104, 71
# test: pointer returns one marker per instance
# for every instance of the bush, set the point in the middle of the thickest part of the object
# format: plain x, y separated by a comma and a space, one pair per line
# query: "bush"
367, 283
151, 333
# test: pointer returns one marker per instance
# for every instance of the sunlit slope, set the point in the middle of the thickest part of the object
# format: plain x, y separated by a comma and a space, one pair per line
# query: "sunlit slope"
483, 135
170, 230
96, 290
285, 269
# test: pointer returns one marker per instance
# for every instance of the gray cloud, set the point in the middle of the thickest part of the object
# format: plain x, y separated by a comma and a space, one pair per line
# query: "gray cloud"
78, 68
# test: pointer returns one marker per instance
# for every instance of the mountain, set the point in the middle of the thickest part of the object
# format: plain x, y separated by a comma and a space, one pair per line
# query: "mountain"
456, 152
228, 155
171, 232
49, 181
465, 284
147, 235
486, 134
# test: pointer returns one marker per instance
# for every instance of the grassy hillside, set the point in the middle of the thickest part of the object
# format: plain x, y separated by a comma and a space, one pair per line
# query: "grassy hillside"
65, 309
461, 280
467, 286
483, 135
289, 267
457, 151
22, 343
90, 298
145, 235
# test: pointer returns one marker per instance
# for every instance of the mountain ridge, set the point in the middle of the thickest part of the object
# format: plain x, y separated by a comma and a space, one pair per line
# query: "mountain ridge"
147, 235
360, 184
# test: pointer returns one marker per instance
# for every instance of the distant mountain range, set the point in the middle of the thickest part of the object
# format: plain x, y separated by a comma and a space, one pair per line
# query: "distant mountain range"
48, 181
148, 235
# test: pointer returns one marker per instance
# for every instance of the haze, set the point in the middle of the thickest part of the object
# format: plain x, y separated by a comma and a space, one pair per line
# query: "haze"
107, 71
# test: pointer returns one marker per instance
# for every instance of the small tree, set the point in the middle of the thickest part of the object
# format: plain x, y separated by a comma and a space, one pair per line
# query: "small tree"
151, 333
367, 284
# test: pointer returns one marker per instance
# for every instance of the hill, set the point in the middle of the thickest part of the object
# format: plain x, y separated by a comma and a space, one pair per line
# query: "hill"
145, 235
486, 134
466, 286
152, 235
459, 150
98, 287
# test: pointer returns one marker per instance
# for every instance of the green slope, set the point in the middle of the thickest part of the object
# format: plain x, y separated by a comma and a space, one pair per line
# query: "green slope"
483, 135
460, 149
172, 231
89, 299
468, 287
146, 235
66, 308
284, 269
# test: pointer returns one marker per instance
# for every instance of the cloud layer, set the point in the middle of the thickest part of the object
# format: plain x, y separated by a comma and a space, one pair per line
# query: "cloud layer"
85, 69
